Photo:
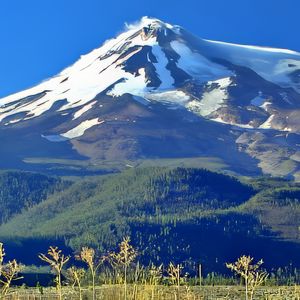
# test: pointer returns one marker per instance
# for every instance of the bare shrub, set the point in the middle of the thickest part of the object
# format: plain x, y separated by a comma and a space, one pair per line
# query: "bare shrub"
56, 259
250, 272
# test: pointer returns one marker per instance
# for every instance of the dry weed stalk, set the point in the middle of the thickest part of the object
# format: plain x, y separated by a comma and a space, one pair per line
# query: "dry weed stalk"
88, 256
250, 272
2, 254
8, 272
189, 294
174, 272
75, 276
56, 260
123, 258
155, 277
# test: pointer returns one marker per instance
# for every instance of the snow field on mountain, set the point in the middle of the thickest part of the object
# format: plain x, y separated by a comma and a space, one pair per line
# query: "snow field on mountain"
173, 97
197, 65
274, 65
212, 99
81, 128
81, 82
83, 110
268, 123
104, 70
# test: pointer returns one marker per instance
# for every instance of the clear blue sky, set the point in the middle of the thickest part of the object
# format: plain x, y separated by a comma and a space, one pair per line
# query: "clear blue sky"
38, 38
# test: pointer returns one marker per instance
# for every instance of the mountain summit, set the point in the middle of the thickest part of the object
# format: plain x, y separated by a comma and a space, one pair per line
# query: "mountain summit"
157, 91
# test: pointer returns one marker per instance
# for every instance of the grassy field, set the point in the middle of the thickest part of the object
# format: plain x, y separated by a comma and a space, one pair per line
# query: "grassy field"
146, 292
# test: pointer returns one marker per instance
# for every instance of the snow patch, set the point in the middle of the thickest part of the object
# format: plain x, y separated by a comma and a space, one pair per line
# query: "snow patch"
174, 96
167, 81
287, 129
268, 123
135, 85
81, 128
213, 99
220, 120
147, 21
83, 110
260, 101
274, 65
266, 105
197, 65
13, 121
256, 48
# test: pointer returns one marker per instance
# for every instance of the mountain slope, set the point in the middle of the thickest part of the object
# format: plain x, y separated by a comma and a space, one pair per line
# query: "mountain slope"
157, 91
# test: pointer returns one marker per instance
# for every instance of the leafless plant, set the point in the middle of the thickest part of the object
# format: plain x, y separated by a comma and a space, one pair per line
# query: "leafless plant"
88, 256
56, 260
250, 272
123, 258
2, 254
174, 272
155, 277
8, 272
75, 276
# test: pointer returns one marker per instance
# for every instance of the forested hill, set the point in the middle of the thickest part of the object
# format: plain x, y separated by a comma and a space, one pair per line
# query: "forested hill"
87, 211
180, 214
21, 190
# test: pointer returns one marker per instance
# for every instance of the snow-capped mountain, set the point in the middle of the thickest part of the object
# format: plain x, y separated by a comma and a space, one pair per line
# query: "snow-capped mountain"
158, 91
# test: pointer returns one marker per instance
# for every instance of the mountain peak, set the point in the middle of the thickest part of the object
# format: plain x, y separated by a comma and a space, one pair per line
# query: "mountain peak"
151, 59
157, 75
152, 27
149, 22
